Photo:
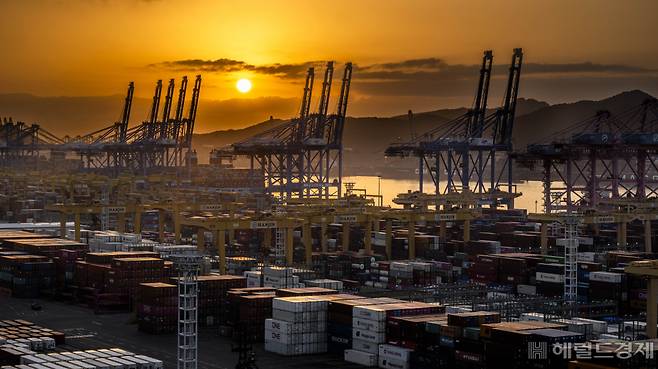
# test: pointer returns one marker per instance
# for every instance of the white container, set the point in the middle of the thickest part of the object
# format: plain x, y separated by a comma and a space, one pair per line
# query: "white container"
401, 266
392, 363
155, 363
365, 346
278, 326
126, 364
578, 326
549, 277
139, 362
366, 335
369, 312
395, 352
598, 326
82, 364
46, 358
97, 363
605, 277
531, 317
84, 355
31, 359
525, 289
360, 357
296, 349
586, 256
110, 363
59, 365
295, 338
371, 325
58, 357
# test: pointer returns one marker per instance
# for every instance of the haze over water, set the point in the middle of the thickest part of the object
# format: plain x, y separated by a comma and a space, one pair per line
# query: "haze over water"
531, 190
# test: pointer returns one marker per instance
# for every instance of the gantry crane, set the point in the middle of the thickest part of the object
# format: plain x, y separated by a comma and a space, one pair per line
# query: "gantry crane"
300, 158
606, 156
21, 144
160, 142
572, 221
648, 269
473, 149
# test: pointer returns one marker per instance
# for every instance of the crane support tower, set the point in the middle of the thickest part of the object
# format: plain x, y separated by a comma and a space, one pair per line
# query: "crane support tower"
159, 142
21, 144
604, 157
474, 149
303, 158
188, 297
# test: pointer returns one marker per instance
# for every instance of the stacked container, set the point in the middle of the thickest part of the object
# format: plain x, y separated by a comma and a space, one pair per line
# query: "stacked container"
157, 309
298, 326
369, 323
394, 357
339, 326
279, 277
26, 275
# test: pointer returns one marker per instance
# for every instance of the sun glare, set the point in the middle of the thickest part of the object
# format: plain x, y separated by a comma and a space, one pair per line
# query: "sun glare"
243, 85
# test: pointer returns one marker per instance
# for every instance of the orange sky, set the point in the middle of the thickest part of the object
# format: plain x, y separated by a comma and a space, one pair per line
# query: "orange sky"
87, 48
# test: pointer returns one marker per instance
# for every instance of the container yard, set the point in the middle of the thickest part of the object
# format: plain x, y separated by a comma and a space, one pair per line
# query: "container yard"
161, 228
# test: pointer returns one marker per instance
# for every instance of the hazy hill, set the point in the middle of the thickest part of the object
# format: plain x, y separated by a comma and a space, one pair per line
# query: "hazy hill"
70, 115
366, 138
541, 124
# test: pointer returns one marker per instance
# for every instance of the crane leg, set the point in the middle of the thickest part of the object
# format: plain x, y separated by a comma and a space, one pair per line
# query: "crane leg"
161, 225
411, 240
137, 222
621, 235
177, 228
467, 230
544, 238
308, 244
652, 307
121, 223
231, 237
220, 244
201, 240
367, 238
346, 237
389, 239
77, 227
289, 246
648, 248
62, 225
443, 230
323, 237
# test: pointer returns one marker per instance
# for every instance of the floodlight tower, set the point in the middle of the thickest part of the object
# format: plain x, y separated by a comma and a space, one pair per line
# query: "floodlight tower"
188, 270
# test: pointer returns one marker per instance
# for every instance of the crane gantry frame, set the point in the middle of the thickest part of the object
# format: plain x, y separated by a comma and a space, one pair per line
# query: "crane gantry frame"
300, 158
473, 146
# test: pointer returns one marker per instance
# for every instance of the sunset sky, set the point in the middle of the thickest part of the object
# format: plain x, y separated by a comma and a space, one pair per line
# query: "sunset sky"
414, 54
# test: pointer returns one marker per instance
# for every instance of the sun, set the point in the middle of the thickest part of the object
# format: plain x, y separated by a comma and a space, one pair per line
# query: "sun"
243, 85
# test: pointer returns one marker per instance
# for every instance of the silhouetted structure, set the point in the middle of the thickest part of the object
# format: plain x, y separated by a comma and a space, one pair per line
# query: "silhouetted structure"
304, 157
474, 149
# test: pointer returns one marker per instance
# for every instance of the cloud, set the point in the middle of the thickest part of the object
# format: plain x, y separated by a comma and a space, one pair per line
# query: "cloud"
409, 64
435, 77
396, 83
287, 71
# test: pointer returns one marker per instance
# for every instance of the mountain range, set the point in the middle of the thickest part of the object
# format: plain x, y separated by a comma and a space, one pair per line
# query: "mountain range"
366, 138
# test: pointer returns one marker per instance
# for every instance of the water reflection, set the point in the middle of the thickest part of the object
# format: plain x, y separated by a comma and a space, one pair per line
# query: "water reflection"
389, 188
